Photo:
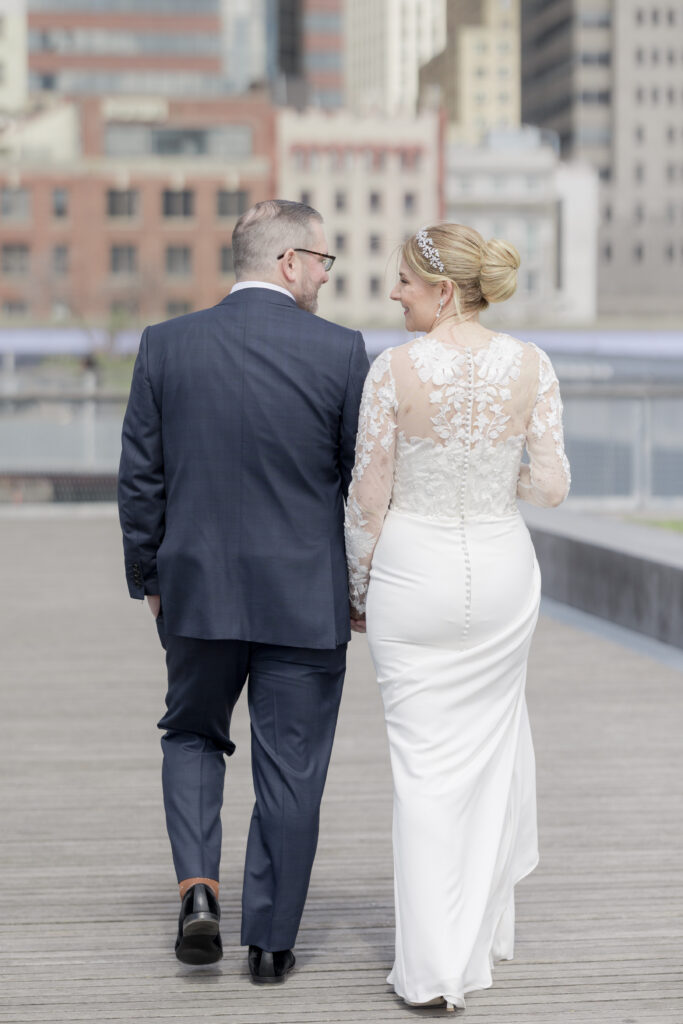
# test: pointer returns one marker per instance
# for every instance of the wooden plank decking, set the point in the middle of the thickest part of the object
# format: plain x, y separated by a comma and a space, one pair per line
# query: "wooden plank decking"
88, 905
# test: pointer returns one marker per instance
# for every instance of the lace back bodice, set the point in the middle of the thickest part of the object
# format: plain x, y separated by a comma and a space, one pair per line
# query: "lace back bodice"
441, 433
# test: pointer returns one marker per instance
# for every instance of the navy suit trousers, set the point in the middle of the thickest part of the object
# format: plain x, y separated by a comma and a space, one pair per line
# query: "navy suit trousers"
294, 695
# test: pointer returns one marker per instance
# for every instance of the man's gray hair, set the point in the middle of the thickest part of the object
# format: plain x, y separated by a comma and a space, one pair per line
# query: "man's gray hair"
268, 229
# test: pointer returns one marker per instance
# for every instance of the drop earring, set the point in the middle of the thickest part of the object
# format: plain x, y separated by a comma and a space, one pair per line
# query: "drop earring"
438, 312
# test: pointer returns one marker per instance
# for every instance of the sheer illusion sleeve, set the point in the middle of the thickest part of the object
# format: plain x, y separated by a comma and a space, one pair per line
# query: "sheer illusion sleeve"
373, 473
545, 481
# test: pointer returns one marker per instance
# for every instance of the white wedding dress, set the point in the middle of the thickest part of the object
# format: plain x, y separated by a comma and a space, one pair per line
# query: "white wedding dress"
436, 544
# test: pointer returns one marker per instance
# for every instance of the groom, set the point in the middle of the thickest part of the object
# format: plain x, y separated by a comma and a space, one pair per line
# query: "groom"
238, 444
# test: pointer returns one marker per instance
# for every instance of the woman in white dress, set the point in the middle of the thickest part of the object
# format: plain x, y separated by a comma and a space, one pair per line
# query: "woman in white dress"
438, 548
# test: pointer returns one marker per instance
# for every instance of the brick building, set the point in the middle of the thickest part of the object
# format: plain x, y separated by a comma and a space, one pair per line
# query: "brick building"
117, 210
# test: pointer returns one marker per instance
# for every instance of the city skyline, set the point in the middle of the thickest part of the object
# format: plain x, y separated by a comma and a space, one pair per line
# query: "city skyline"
124, 90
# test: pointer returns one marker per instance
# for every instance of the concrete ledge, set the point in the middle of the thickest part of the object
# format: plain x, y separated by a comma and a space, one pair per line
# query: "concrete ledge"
628, 574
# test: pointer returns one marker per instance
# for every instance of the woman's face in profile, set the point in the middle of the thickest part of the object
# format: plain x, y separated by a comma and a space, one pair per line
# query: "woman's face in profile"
419, 299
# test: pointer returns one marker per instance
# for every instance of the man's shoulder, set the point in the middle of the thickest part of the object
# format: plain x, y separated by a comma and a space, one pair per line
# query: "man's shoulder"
320, 326
183, 323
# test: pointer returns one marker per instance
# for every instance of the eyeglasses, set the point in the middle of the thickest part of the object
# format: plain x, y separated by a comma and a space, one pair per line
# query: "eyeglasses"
327, 260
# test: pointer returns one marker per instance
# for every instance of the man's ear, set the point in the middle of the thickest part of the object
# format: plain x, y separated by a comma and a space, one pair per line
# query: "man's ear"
288, 266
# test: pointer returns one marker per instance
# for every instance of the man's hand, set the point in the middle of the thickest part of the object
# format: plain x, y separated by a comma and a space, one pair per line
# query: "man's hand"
154, 602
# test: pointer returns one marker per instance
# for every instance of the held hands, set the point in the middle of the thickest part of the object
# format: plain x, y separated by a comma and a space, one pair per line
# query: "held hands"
154, 602
357, 620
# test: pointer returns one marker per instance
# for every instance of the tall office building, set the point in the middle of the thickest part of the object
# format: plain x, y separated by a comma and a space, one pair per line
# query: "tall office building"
376, 180
476, 78
245, 43
385, 45
607, 76
90, 47
294, 46
323, 52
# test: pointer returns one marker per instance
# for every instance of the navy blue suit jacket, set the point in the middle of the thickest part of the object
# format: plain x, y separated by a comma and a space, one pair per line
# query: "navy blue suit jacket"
237, 449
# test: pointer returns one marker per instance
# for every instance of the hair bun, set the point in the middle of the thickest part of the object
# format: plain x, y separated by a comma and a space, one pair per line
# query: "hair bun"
498, 276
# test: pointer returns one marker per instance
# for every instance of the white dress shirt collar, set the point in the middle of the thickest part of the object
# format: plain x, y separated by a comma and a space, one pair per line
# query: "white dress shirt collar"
260, 284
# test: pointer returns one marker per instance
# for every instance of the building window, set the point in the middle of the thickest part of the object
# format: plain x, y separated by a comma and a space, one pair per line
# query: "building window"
605, 173
178, 260
639, 172
608, 213
15, 203
374, 160
340, 243
639, 133
60, 202
638, 252
640, 16
531, 281
602, 96
409, 203
638, 213
15, 259
669, 253
227, 263
410, 159
671, 16
123, 259
60, 259
122, 202
375, 202
374, 287
655, 16
607, 253
374, 243
640, 94
178, 202
306, 198
671, 134
231, 204
640, 55
671, 172
340, 285
178, 307
340, 200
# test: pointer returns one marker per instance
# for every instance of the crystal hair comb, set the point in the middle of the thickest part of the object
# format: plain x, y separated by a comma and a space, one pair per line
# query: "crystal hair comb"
429, 250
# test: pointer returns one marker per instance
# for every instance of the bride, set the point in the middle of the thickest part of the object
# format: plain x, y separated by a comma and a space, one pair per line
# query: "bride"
438, 549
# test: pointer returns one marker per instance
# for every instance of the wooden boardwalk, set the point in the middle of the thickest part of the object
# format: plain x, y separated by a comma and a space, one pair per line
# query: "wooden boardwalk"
88, 905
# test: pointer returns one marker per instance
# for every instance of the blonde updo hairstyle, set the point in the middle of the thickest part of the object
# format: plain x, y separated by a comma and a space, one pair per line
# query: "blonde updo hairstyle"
481, 272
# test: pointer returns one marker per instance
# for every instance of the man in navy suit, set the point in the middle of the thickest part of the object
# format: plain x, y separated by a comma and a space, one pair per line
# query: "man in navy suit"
237, 451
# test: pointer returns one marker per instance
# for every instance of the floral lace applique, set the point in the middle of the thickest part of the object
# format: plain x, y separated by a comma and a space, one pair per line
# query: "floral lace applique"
375, 419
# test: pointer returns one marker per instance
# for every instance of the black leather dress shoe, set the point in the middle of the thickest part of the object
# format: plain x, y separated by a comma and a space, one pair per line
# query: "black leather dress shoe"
269, 968
199, 940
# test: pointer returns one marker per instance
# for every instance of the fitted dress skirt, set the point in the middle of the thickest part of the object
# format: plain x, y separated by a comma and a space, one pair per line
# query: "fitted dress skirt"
452, 606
